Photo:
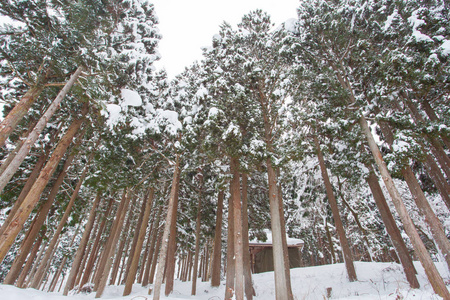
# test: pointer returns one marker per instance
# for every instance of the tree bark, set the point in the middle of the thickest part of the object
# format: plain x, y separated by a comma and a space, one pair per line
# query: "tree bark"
348, 260
245, 240
30, 181
30, 201
33, 136
237, 226
152, 250
17, 146
137, 250
197, 235
124, 243
230, 268
110, 247
170, 226
30, 260
96, 247
13, 118
82, 247
217, 254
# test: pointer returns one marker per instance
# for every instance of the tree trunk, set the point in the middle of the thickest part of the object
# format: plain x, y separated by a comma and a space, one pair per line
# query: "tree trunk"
65, 217
287, 267
61, 266
156, 256
330, 243
358, 223
436, 175
12, 230
14, 117
30, 260
110, 247
30, 181
337, 219
152, 249
124, 243
217, 254
17, 146
237, 226
25, 149
245, 240
170, 226
143, 267
197, 236
230, 268
137, 250
96, 247
82, 247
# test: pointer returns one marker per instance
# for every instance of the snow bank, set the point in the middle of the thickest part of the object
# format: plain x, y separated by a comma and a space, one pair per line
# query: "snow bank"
375, 281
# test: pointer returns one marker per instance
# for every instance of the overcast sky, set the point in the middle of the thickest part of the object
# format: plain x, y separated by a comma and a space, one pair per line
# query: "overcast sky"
188, 25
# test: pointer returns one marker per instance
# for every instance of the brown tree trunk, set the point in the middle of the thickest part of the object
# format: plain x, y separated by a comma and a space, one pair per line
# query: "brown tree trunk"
82, 247
12, 230
137, 250
96, 247
65, 217
14, 117
144, 261
156, 256
30, 181
230, 268
337, 219
438, 178
33, 136
61, 266
110, 247
197, 236
30, 260
124, 243
237, 227
287, 267
152, 249
217, 254
358, 223
245, 240
170, 226
330, 243
17, 146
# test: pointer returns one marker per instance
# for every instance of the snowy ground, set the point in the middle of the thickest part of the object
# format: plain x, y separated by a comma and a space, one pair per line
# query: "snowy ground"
375, 281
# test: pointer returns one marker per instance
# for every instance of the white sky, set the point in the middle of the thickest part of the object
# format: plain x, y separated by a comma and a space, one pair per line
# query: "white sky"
188, 25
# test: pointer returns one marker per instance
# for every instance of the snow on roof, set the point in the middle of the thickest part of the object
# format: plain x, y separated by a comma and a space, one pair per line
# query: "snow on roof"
290, 241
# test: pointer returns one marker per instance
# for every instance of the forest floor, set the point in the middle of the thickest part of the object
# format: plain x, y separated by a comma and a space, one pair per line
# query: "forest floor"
375, 281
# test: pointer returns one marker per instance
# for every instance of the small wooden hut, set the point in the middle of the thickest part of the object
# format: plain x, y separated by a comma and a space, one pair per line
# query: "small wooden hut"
261, 254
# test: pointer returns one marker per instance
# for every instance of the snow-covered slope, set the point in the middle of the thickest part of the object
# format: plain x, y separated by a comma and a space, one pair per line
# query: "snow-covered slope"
375, 281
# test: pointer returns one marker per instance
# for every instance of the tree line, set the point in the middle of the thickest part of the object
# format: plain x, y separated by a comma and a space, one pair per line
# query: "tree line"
332, 127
